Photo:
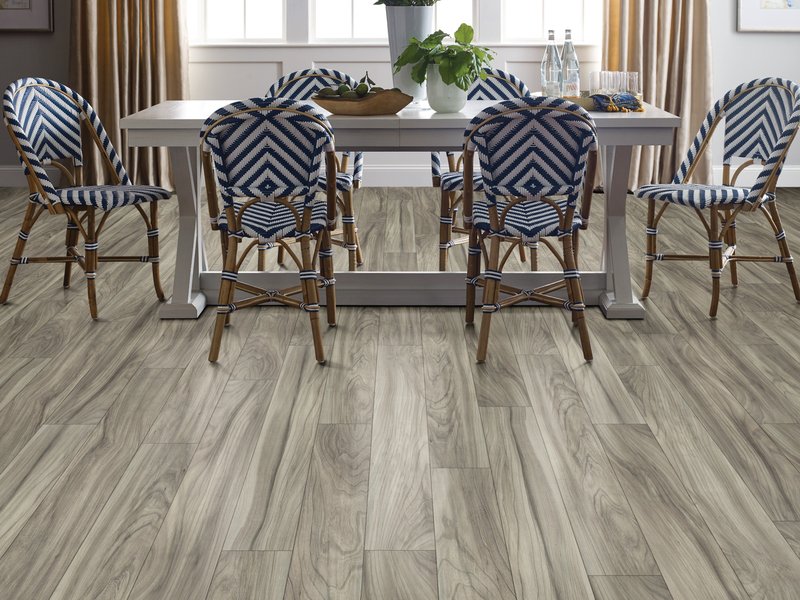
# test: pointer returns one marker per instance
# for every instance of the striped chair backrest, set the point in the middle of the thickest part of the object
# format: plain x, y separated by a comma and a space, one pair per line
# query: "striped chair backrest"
760, 117
302, 85
498, 85
267, 147
532, 146
45, 117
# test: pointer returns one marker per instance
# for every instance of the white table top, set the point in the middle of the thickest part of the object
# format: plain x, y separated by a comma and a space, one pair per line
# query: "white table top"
190, 114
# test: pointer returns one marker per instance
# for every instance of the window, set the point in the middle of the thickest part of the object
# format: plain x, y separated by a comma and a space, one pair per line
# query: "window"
529, 20
363, 20
236, 20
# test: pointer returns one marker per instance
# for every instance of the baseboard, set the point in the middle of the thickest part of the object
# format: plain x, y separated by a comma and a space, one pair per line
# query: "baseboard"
790, 176
397, 176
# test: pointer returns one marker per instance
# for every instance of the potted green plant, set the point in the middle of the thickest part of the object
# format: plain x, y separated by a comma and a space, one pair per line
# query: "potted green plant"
407, 19
449, 68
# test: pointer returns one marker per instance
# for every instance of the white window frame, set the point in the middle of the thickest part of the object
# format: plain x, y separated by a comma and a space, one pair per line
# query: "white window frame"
202, 7
299, 26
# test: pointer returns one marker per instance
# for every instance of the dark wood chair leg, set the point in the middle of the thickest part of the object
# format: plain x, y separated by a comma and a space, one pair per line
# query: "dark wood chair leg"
783, 245
473, 270
91, 246
730, 240
308, 281
651, 246
226, 289
715, 260
326, 266
71, 243
445, 229
576, 298
491, 295
153, 251
349, 227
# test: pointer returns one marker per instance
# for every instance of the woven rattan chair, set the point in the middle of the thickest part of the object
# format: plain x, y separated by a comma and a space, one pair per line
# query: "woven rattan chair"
302, 85
761, 120
497, 86
46, 120
535, 157
267, 155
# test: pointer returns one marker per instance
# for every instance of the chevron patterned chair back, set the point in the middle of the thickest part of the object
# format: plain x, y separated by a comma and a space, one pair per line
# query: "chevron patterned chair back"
303, 85
760, 120
266, 156
46, 120
498, 85
534, 155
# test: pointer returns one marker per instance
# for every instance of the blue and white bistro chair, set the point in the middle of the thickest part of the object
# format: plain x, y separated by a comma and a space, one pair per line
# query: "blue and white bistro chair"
46, 120
534, 161
303, 85
267, 155
760, 122
497, 86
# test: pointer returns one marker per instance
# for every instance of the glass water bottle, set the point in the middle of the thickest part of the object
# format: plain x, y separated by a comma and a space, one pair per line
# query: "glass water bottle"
570, 68
552, 76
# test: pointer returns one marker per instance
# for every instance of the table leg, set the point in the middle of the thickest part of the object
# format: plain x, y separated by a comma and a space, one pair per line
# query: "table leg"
187, 300
617, 302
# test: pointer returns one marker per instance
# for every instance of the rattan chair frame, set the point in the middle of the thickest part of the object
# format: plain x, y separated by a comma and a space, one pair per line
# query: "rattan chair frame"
307, 260
487, 245
81, 221
720, 227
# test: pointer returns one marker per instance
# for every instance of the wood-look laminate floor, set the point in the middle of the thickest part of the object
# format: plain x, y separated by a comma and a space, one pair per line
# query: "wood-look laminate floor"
131, 468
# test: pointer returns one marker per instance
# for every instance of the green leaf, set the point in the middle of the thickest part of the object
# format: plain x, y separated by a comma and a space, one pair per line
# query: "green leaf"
410, 55
464, 34
420, 70
434, 39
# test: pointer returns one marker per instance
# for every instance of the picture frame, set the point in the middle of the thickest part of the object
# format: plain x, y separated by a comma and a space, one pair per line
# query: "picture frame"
769, 15
26, 15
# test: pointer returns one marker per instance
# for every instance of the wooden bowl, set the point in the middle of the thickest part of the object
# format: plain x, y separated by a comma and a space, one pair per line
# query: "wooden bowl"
385, 102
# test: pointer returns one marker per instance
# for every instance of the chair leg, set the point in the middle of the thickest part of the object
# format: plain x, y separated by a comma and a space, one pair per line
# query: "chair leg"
714, 261
326, 266
445, 229
226, 289
730, 240
783, 245
359, 255
473, 270
153, 251
534, 252
576, 298
91, 246
308, 281
491, 295
262, 257
71, 241
19, 248
349, 227
651, 241
281, 256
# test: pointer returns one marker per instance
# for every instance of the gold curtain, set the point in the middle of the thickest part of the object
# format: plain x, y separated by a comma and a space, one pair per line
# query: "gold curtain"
668, 43
127, 55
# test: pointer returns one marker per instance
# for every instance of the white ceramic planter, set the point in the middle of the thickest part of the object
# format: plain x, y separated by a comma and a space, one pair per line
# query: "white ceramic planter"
443, 98
404, 23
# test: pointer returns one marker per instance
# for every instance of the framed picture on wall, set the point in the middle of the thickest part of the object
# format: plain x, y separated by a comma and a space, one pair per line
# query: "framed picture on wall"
26, 15
769, 15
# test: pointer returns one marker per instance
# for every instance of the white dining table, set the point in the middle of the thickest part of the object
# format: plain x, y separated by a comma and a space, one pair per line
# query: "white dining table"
176, 125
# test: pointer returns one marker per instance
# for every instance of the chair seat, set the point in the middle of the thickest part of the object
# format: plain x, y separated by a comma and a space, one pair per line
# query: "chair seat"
108, 197
344, 182
529, 220
453, 181
696, 195
271, 221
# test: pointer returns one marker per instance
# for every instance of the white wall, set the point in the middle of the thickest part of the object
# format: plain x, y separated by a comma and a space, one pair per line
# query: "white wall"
740, 57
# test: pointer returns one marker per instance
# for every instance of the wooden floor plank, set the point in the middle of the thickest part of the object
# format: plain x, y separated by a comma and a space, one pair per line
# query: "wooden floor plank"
261, 356
110, 557
470, 550
603, 395
498, 380
400, 509
738, 522
790, 530
787, 437
351, 368
181, 561
268, 508
668, 517
756, 458
328, 557
250, 576
400, 575
51, 537
630, 588
400, 326
33, 472
542, 551
454, 423
22, 405
608, 535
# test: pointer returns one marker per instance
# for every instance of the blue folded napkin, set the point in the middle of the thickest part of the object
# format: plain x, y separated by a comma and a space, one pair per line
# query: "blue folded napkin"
623, 102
